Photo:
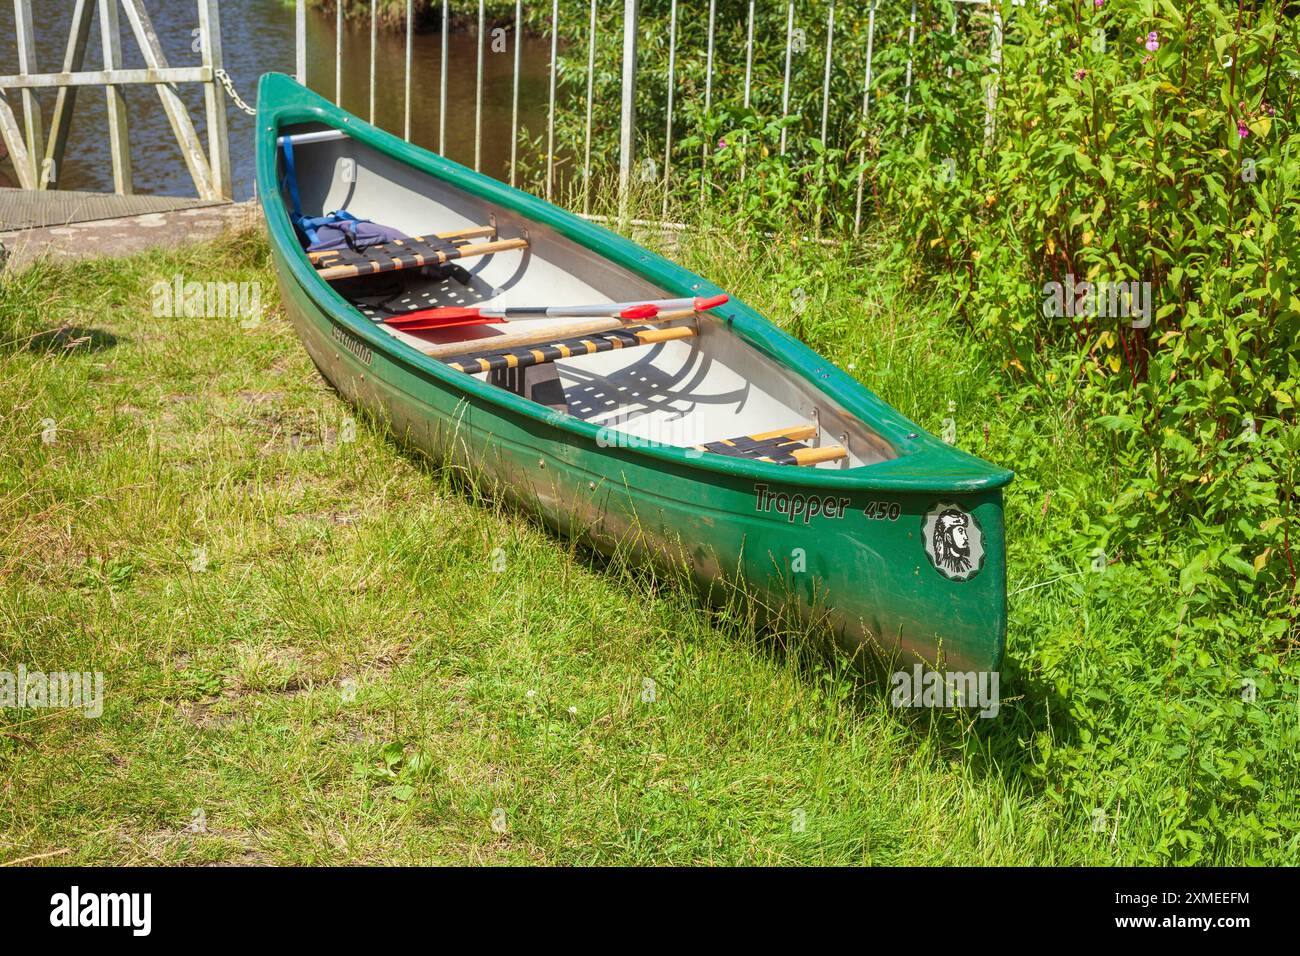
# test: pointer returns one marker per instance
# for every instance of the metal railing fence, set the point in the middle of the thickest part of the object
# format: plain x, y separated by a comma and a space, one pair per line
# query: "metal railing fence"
797, 18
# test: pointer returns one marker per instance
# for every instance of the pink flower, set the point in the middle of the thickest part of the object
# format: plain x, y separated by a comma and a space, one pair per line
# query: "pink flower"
1242, 129
1153, 41
722, 143
1080, 74
1098, 3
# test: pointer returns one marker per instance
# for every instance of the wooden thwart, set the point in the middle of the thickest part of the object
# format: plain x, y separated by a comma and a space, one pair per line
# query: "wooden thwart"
399, 254
525, 356
546, 331
782, 446
473, 232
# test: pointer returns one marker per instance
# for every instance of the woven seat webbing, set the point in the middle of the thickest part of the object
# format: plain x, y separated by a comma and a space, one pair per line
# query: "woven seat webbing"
388, 256
527, 355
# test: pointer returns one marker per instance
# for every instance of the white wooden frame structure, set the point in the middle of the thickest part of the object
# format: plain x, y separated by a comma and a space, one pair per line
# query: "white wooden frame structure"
37, 160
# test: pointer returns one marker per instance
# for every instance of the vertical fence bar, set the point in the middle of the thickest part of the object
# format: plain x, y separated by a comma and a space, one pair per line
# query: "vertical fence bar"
907, 82
826, 100
956, 14
991, 94
214, 98
591, 85
338, 52
627, 117
749, 83
442, 81
866, 113
550, 108
119, 145
514, 101
478, 92
708, 99
406, 93
668, 130
300, 40
826, 76
33, 126
785, 87
708, 58
374, 41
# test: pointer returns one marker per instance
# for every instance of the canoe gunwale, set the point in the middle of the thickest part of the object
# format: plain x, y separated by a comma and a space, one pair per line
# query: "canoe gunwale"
922, 462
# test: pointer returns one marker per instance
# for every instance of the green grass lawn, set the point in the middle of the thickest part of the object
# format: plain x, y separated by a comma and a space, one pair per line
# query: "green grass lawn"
309, 656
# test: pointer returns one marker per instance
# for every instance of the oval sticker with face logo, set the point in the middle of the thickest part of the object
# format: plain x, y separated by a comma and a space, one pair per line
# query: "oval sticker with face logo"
954, 541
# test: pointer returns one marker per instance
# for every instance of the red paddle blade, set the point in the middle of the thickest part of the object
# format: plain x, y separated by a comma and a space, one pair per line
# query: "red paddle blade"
705, 303
435, 318
647, 311
442, 322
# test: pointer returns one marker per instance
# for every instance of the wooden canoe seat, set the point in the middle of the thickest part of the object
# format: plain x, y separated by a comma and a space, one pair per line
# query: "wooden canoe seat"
412, 253
783, 446
490, 360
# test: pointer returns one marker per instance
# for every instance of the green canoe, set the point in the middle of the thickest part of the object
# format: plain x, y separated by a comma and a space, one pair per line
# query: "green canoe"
711, 439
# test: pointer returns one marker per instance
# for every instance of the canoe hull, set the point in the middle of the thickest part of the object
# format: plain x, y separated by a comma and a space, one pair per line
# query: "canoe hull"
860, 562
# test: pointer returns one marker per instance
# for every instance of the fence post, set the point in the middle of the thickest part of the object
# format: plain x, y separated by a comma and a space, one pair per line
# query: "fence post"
514, 96
374, 41
214, 98
442, 81
866, 116
118, 140
749, 85
550, 109
406, 94
478, 92
785, 86
991, 94
33, 127
591, 85
300, 40
826, 78
907, 82
668, 128
627, 121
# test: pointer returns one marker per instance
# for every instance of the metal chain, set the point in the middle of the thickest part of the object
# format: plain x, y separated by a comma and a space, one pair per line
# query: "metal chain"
229, 84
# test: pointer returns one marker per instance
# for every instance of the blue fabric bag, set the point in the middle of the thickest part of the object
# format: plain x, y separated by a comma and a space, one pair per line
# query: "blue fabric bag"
335, 230
342, 230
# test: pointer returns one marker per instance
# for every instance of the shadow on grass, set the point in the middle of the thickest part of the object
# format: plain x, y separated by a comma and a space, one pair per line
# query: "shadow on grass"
1000, 746
71, 338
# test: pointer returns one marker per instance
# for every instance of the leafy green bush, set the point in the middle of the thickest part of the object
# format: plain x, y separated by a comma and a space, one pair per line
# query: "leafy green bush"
1145, 142
1149, 143
1156, 145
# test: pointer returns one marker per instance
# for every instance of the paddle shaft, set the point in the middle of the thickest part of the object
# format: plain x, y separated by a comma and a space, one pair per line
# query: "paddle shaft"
448, 316
583, 311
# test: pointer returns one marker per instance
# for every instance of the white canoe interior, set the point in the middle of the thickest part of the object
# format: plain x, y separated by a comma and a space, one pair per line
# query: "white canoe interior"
709, 387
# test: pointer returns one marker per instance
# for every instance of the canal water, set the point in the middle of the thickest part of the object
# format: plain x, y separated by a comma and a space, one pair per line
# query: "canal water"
258, 36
